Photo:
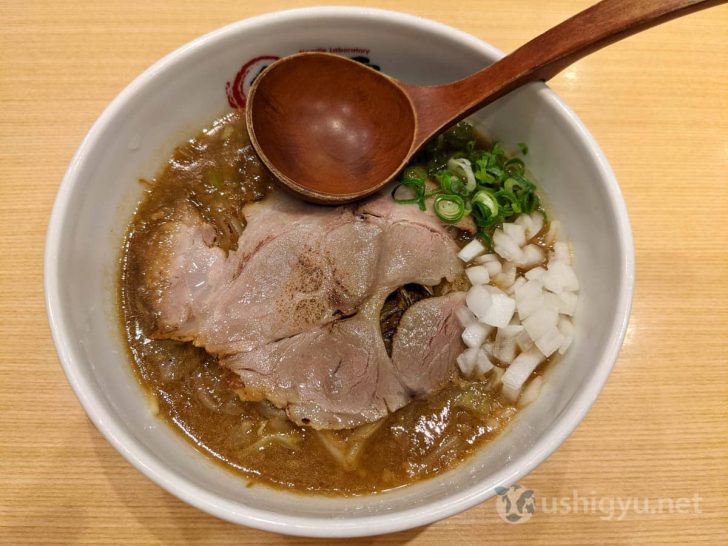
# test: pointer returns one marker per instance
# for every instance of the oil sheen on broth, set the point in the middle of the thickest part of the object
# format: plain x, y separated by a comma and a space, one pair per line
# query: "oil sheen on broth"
218, 172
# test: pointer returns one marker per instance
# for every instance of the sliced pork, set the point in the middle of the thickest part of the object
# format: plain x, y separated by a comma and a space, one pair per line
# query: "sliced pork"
427, 342
294, 310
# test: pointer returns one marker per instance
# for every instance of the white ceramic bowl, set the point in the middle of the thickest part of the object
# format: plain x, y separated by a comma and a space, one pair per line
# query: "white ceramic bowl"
176, 97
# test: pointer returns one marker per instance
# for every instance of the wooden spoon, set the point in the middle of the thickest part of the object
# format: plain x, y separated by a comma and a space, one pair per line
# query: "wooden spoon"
334, 131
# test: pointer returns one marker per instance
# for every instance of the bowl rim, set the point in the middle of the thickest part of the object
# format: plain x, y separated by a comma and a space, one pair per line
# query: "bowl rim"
152, 467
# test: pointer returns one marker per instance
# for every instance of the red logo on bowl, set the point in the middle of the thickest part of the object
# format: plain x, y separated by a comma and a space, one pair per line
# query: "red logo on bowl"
237, 90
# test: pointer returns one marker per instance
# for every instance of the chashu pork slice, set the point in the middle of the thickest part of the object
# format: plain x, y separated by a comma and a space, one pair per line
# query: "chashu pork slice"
294, 310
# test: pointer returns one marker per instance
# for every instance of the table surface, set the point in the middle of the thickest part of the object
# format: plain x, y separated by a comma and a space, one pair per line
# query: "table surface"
657, 104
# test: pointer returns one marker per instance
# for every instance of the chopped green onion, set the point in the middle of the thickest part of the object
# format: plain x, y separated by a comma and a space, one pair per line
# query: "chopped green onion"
472, 180
410, 190
463, 169
513, 186
497, 173
449, 208
509, 202
515, 166
487, 199
530, 203
483, 176
451, 183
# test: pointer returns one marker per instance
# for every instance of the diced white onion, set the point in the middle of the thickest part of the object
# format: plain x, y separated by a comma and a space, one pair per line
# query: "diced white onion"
471, 250
505, 346
552, 300
474, 334
529, 290
493, 289
566, 327
515, 232
482, 363
560, 277
524, 341
478, 300
541, 321
568, 303
553, 233
467, 360
550, 342
525, 221
529, 298
510, 331
535, 273
537, 225
493, 268
505, 349
528, 306
511, 394
531, 391
506, 247
506, 277
501, 310
478, 274
532, 256
474, 362
521, 368
520, 281
465, 316
545, 296
486, 258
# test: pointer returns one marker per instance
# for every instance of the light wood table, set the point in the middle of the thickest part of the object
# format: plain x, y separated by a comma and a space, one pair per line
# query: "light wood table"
658, 105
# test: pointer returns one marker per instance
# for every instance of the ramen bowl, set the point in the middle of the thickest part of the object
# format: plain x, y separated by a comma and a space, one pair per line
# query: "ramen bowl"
202, 80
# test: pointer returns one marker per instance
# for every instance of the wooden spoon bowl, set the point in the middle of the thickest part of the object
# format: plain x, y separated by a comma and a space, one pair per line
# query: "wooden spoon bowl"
330, 132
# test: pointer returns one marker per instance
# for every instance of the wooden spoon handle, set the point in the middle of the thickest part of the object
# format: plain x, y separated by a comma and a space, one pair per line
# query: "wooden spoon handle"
542, 58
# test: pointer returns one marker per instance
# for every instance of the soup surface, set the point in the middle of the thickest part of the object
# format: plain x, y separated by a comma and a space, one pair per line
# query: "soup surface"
218, 173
